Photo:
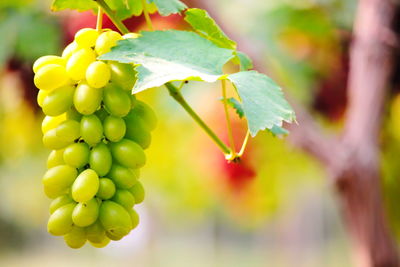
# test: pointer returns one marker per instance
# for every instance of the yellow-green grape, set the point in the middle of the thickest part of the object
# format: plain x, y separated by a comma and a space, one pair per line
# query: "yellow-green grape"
123, 177
95, 233
73, 114
114, 218
49, 122
58, 101
55, 158
105, 41
62, 177
123, 75
54, 192
52, 141
91, 129
68, 130
86, 37
87, 99
116, 101
41, 96
76, 238
138, 192
69, 50
114, 237
50, 77
106, 189
76, 155
124, 198
147, 114
85, 214
78, 63
47, 60
130, 35
85, 186
101, 244
100, 159
60, 222
59, 202
134, 218
98, 74
128, 154
114, 128
137, 131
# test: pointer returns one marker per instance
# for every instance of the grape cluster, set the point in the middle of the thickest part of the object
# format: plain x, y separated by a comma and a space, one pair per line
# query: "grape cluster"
97, 131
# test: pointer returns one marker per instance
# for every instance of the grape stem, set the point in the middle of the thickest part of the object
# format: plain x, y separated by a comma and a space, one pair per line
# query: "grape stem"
99, 24
228, 119
118, 23
147, 16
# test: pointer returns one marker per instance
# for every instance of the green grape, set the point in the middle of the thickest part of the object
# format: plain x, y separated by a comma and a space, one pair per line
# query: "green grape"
138, 192
52, 122
123, 177
128, 154
124, 75
137, 131
106, 189
134, 218
86, 37
47, 60
76, 155
114, 128
85, 186
60, 222
58, 101
98, 74
50, 77
147, 114
114, 218
54, 191
95, 233
105, 41
91, 129
41, 96
60, 177
70, 50
114, 237
78, 63
55, 158
124, 198
100, 159
85, 214
76, 238
116, 101
68, 130
73, 114
59, 202
101, 244
52, 141
87, 99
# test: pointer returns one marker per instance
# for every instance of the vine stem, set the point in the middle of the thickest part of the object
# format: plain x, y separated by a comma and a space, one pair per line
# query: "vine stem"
174, 92
228, 119
246, 140
118, 23
99, 24
147, 16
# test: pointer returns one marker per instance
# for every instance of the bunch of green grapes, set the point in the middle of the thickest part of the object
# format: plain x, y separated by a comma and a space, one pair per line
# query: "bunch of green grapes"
97, 131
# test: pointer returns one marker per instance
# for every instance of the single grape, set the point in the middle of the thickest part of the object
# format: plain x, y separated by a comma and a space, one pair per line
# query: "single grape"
124, 75
116, 101
105, 41
50, 77
41, 96
123, 177
55, 158
100, 159
87, 99
91, 129
101, 244
134, 218
54, 192
85, 214
128, 154
68, 130
114, 128
144, 111
79, 62
98, 74
76, 238
86, 37
52, 141
60, 176
60, 222
114, 218
95, 233
76, 155
137, 131
124, 198
106, 189
49, 122
58, 101
59, 202
70, 50
85, 186
138, 192
114, 237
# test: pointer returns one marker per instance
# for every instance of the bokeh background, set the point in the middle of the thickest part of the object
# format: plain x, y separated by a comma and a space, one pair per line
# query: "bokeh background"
276, 208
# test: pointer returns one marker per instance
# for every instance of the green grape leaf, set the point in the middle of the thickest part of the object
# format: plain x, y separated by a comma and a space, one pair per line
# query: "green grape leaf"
204, 25
80, 5
235, 104
165, 56
243, 60
278, 131
168, 7
264, 104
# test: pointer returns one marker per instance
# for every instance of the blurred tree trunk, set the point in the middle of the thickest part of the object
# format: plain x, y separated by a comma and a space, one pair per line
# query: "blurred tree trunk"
352, 160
